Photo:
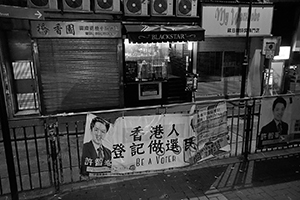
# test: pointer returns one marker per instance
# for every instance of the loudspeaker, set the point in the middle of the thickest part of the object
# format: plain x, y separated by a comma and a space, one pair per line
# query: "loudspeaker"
186, 8
76, 5
45, 4
107, 6
162, 7
136, 7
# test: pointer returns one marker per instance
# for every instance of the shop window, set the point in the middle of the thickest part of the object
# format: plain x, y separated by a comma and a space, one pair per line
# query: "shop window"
146, 62
212, 66
209, 66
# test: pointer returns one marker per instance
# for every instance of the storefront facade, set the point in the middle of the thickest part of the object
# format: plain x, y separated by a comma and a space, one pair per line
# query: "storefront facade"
62, 66
157, 59
136, 58
220, 57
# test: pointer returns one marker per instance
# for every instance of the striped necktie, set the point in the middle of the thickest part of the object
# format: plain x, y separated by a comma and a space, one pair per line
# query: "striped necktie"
279, 127
100, 152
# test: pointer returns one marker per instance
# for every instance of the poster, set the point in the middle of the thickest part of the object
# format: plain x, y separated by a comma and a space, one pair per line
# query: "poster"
295, 122
275, 122
97, 146
211, 132
149, 142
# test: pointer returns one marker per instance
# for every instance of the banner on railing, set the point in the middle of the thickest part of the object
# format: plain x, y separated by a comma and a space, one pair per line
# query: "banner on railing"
154, 142
149, 142
97, 146
275, 122
210, 127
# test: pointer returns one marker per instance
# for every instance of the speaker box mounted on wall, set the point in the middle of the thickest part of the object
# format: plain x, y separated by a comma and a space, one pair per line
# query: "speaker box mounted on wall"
107, 6
162, 7
186, 8
76, 5
44, 4
136, 7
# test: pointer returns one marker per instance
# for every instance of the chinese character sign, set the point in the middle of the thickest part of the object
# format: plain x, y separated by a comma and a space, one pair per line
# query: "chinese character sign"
149, 142
211, 133
61, 29
232, 20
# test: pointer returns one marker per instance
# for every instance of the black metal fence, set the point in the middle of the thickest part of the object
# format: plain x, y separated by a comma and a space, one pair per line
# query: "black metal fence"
47, 149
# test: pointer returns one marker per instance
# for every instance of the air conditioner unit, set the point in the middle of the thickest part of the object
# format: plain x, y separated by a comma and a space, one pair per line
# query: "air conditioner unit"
136, 7
76, 5
46, 4
162, 7
186, 8
107, 6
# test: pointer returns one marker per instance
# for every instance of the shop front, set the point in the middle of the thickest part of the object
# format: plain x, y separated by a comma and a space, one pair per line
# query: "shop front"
157, 61
221, 55
78, 65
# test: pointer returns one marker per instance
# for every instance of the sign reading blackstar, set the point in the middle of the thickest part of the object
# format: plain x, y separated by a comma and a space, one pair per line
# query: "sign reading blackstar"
148, 34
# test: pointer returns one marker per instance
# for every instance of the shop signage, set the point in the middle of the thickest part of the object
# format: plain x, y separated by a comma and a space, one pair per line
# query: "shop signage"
61, 29
148, 34
21, 13
232, 20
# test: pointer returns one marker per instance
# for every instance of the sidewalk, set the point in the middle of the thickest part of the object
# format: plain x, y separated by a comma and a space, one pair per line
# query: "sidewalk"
265, 179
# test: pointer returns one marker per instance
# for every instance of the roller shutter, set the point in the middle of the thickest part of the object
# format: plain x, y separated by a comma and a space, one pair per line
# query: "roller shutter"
78, 74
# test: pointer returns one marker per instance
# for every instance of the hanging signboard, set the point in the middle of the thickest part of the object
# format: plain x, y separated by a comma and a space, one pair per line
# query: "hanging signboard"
271, 46
223, 20
61, 29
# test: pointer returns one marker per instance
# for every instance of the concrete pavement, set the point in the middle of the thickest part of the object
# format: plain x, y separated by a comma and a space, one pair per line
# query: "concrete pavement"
273, 178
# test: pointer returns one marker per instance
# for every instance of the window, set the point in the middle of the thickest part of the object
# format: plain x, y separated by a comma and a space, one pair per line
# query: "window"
212, 66
24, 80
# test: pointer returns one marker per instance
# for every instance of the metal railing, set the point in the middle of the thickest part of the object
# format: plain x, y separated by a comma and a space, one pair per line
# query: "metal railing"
47, 149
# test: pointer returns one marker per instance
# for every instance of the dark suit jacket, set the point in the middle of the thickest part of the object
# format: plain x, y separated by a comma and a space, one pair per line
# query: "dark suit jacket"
272, 128
89, 156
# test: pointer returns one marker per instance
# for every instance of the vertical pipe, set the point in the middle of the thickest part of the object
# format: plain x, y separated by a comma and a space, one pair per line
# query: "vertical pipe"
246, 55
7, 145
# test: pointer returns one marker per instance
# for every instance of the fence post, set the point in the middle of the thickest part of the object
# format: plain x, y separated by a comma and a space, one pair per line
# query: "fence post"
52, 132
248, 130
7, 146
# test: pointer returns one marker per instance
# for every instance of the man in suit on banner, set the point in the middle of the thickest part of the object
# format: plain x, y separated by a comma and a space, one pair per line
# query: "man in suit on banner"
275, 130
95, 156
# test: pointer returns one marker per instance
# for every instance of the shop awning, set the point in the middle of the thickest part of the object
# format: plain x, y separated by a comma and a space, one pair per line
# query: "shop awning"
162, 33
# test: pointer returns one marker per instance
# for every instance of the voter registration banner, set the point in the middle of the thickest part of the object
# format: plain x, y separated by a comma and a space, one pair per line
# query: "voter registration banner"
210, 127
154, 142
149, 142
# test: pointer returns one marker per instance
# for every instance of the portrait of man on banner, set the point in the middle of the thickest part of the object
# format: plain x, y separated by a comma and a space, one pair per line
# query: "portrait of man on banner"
96, 152
275, 120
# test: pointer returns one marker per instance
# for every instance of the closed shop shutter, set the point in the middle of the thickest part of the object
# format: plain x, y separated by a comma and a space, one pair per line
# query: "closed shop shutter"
78, 74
